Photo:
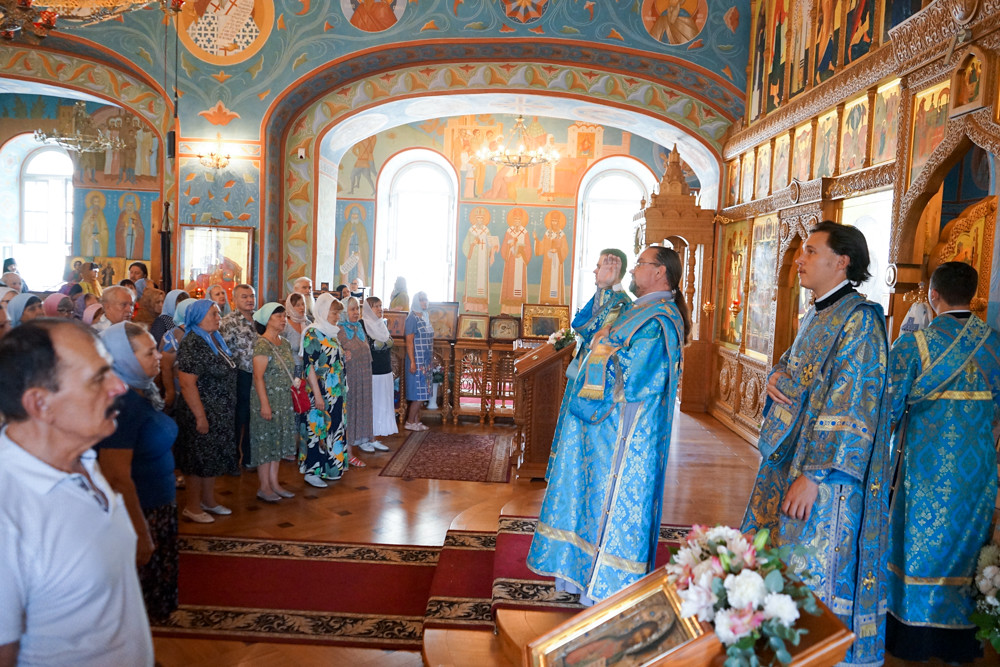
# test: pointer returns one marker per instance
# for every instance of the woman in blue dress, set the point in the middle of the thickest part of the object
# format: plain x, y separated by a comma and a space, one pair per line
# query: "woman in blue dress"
419, 352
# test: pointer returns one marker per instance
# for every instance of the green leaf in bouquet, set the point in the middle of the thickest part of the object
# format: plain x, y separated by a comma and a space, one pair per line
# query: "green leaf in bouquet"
774, 582
783, 656
995, 642
760, 539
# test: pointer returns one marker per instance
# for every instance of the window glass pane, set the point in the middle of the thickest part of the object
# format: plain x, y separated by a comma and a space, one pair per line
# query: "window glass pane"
50, 162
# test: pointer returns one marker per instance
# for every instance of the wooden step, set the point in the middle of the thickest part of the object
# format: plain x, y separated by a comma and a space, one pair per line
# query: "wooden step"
463, 648
516, 628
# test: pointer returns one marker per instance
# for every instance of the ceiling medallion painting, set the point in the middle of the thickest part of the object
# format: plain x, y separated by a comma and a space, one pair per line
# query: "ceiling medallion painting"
674, 21
373, 15
225, 33
525, 11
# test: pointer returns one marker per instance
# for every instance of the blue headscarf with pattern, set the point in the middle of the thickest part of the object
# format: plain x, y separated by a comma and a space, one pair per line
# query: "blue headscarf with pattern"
195, 313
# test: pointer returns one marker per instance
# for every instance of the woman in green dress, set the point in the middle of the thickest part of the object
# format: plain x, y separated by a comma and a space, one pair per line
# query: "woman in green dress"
272, 418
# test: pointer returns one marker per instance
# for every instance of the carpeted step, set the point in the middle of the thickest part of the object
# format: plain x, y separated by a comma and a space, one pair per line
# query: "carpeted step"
517, 587
461, 590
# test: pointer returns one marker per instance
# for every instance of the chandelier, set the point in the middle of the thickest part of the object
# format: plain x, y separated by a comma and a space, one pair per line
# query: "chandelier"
215, 159
513, 152
34, 19
18, 16
83, 136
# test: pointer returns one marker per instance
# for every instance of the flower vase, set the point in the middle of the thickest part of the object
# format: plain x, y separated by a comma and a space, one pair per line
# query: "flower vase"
432, 404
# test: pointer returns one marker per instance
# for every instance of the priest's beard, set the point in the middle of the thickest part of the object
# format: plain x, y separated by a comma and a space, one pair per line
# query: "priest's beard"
310, 304
632, 287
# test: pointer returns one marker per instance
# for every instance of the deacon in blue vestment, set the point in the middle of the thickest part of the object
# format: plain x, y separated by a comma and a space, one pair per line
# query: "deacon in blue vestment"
600, 520
945, 388
824, 441
607, 304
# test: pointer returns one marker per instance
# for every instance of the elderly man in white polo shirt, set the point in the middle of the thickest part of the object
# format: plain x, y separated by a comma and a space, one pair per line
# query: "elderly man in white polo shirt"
69, 593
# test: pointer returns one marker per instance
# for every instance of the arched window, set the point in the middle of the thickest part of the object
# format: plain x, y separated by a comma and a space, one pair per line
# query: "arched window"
47, 198
416, 224
611, 195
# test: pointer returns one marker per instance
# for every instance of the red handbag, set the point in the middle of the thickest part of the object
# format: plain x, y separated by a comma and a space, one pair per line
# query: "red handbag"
300, 394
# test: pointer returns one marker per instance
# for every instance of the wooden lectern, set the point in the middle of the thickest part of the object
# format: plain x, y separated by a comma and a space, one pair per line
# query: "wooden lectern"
539, 383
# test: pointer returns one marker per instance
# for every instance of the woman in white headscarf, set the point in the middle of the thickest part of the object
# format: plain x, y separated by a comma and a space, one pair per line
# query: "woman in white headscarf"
323, 455
380, 343
419, 355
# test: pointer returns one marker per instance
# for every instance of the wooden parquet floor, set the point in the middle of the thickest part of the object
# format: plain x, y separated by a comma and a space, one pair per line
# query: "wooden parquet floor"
709, 478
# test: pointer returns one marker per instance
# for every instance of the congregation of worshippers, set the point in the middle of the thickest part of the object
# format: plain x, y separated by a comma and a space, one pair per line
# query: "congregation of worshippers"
219, 384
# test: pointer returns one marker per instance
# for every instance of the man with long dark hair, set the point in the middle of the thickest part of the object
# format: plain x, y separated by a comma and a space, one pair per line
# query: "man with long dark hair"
824, 441
600, 520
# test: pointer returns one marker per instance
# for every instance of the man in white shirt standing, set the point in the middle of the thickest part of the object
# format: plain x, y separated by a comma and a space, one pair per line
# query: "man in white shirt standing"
69, 593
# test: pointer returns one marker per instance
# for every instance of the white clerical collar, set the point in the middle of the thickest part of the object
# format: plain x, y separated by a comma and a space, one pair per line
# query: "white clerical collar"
820, 298
617, 287
963, 311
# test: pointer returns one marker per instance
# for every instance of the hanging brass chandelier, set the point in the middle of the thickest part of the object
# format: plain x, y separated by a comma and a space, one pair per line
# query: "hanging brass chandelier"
83, 136
514, 153
33, 20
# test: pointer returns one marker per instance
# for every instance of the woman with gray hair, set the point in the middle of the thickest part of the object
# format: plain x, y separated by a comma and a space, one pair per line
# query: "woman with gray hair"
419, 356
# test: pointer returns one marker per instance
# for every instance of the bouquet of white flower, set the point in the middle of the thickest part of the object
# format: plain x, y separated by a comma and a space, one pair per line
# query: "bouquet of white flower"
744, 590
562, 338
987, 613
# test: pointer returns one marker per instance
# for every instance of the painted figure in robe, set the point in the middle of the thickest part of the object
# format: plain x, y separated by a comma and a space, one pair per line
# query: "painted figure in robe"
353, 242
553, 249
516, 253
823, 481
945, 389
480, 249
94, 229
600, 520
610, 301
130, 235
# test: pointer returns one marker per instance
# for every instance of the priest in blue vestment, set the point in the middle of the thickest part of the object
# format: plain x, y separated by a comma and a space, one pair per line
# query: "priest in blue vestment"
823, 480
600, 520
604, 307
945, 388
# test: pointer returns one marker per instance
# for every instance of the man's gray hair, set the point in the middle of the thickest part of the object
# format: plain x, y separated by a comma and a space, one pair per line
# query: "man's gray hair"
109, 292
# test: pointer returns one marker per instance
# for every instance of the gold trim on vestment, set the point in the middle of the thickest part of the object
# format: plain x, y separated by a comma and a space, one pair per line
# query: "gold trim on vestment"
962, 396
920, 624
548, 531
929, 581
925, 354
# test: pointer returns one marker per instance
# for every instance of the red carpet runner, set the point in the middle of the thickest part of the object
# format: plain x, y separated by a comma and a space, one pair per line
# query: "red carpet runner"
517, 587
436, 455
303, 592
463, 581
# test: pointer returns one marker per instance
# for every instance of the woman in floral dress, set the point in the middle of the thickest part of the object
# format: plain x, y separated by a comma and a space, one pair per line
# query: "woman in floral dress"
322, 455
359, 380
272, 418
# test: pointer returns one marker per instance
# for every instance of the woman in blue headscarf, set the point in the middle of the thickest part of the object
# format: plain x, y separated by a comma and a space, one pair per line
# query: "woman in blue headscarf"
23, 308
206, 411
138, 462
359, 380
217, 293
165, 321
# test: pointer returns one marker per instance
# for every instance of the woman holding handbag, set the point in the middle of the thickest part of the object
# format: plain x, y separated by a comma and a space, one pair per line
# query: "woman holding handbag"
272, 418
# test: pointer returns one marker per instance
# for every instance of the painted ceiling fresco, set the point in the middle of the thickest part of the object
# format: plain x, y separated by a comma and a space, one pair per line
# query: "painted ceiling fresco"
245, 59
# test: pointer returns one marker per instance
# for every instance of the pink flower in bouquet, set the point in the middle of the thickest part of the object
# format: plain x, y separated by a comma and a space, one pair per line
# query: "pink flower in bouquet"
698, 599
731, 625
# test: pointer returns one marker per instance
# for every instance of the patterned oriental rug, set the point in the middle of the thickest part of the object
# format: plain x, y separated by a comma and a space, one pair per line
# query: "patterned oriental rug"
302, 592
457, 456
517, 587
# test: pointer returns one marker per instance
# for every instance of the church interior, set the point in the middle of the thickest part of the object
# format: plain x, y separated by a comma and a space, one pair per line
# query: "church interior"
259, 141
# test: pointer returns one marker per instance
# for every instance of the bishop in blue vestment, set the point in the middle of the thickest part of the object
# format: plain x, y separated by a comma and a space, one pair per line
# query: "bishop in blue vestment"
600, 520
604, 307
823, 478
945, 388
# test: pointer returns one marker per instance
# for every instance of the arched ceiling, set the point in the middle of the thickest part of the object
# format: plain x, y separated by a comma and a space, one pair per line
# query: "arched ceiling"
297, 50
339, 138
